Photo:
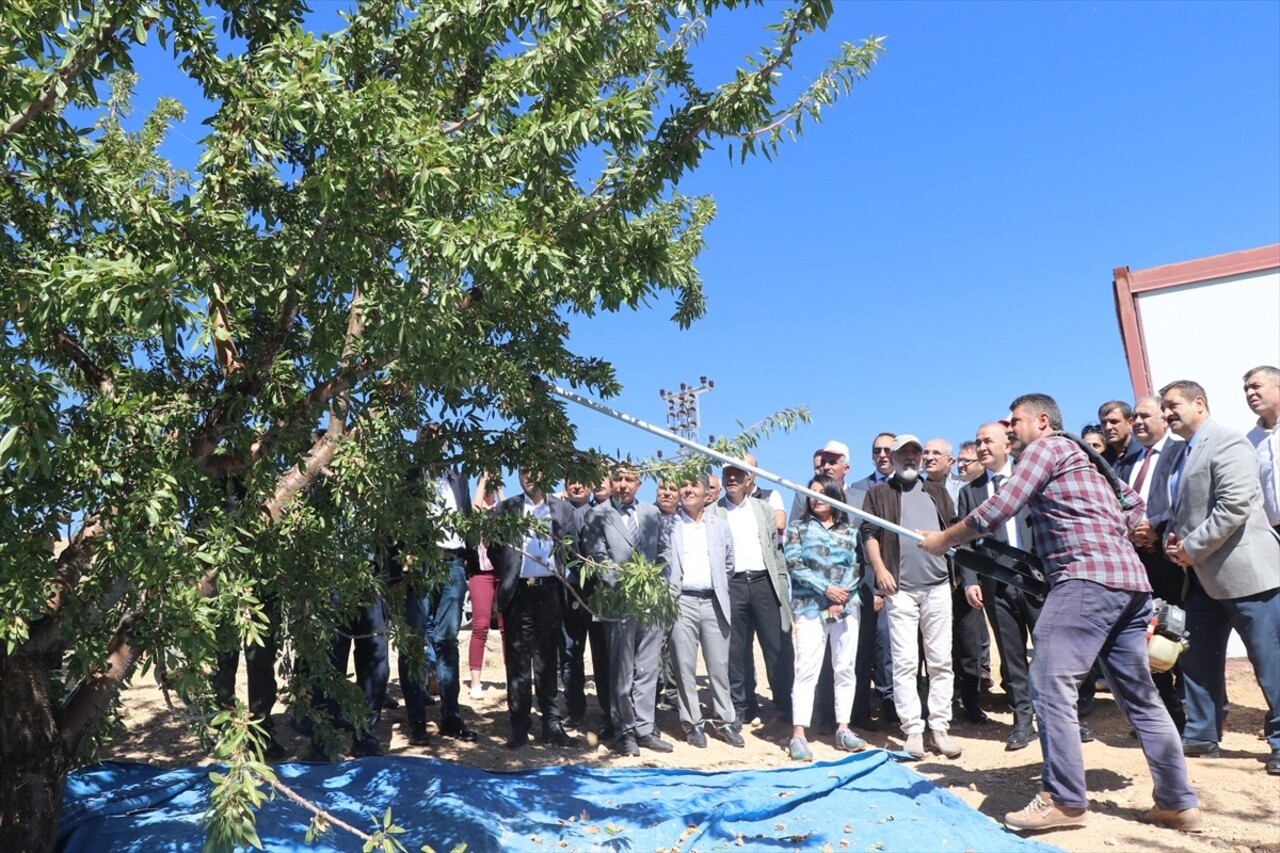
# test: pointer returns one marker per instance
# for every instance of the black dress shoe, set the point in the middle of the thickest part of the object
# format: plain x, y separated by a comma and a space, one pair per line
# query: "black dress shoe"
655, 742
518, 738
366, 747
555, 735
390, 703
274, 751
626, 745
1018, 739
458, 730
1086, 734
697, 737
977, 716
607, 732
732, 736
1273, 764
416, 734
866, 724
1201, 750
889, 715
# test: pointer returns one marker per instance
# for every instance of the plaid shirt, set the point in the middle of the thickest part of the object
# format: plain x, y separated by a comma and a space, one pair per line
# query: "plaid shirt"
1080, 530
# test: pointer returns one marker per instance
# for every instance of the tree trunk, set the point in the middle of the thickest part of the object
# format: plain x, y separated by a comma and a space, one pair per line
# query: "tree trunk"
33, 758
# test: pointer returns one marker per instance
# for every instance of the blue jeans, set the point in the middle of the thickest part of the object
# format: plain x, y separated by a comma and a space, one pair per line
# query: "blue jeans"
1081, 621
438, 615
1257, 619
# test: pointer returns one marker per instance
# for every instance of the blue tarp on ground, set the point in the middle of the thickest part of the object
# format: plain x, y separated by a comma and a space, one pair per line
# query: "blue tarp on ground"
865, 802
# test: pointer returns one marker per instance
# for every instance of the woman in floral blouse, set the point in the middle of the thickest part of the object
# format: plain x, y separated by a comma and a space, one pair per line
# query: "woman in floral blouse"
826, 609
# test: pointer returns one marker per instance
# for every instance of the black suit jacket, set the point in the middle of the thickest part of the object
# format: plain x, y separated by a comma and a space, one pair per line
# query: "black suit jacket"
508, 560
1158, 510
971, 497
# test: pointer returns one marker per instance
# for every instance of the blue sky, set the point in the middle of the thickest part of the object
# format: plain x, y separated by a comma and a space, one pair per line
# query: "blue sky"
944, 240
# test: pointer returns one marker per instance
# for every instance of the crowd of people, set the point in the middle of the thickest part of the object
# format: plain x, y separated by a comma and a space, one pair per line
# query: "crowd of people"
1157, 500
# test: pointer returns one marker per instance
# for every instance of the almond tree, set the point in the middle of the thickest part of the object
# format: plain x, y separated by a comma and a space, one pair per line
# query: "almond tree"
395, 223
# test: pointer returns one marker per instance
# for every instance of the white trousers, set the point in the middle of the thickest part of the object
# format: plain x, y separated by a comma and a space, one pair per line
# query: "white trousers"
811, 633
921, 612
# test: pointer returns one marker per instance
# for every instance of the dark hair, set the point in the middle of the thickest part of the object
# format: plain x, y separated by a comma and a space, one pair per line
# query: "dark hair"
1188, 389
1041, 404
880, 435
1126, 411
1093, 429
830, 487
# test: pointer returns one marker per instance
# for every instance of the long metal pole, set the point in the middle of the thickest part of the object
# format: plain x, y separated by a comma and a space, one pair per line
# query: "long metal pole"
729, 460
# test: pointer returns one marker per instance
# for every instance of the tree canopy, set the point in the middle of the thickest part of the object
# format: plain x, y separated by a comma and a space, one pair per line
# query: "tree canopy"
396, 223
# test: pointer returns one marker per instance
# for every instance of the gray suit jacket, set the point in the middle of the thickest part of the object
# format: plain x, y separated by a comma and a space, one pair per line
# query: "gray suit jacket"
605, 538
1218, 516
720, 546
773, 562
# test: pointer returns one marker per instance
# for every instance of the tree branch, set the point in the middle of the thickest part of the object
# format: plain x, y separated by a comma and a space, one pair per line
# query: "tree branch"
70, 347
90, 699
74, 64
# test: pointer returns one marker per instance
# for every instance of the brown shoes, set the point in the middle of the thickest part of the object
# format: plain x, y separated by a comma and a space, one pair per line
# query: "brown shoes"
1186, 820
1043, 813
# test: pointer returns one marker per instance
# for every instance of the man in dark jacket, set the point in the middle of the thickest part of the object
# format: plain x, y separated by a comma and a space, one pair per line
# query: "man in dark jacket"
916, 587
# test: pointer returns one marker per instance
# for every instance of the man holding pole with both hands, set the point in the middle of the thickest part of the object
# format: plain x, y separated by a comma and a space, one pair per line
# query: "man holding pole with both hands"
1098, 606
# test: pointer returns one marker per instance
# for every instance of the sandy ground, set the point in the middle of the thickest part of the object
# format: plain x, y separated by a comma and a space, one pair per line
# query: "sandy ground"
1241, 803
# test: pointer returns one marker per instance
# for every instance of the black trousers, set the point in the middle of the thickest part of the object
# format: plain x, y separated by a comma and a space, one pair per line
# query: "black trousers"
367, 632
578, 631
874, 661
754, 613
968, 628
260, 667
531, 638
1013, 613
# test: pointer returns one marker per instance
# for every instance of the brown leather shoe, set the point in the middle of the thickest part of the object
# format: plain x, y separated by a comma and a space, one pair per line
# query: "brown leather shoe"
1185, 820
1044, 813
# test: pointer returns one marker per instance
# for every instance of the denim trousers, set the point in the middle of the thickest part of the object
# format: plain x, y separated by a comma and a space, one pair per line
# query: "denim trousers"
1080, 621
1209, 622
440, 613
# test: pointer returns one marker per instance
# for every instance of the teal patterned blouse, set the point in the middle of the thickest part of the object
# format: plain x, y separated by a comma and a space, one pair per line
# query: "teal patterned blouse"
819, 557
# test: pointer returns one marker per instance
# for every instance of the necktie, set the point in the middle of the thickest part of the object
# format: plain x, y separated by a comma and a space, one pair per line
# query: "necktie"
1175, 476
1011, 531
1142, 472
629, 518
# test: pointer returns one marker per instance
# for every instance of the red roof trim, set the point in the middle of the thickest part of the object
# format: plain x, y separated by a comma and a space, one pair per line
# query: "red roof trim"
1129, 283
1218, 266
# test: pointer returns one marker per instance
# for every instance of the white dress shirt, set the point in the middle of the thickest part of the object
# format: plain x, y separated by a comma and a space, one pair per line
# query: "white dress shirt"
744, 528
1154, 451
1267, 443
694, 554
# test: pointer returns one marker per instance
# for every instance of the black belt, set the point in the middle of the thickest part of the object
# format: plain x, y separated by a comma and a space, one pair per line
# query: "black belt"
542, 581
751, 576
698, 593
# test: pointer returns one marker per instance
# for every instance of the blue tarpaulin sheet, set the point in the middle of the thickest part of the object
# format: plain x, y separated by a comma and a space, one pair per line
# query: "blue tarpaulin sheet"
865, 802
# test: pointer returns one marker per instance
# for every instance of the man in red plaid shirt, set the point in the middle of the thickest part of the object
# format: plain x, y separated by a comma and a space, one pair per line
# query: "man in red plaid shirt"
1098, 606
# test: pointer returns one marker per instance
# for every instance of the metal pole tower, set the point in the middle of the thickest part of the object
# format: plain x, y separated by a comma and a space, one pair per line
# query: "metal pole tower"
684, 415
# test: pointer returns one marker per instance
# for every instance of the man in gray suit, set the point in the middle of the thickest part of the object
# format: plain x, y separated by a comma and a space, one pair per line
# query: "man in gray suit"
698, 550
614, 531
1219, 529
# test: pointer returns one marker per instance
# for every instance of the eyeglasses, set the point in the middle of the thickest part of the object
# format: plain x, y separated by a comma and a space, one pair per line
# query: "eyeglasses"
964, 463
880, 451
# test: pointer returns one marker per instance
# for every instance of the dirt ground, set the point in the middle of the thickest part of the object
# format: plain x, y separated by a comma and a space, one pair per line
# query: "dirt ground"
1241, 803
